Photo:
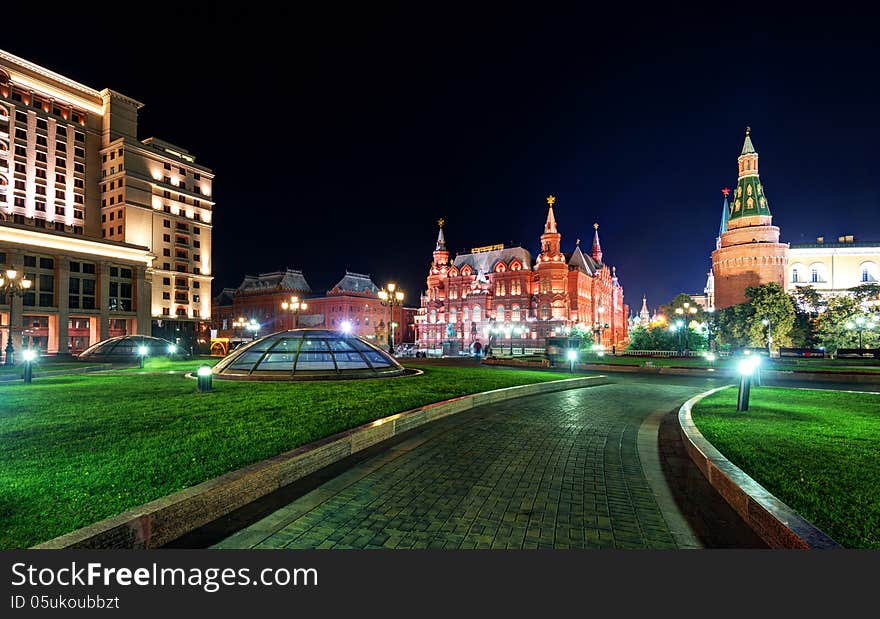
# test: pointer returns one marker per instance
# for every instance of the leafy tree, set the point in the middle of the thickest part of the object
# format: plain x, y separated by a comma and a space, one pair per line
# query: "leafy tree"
865, 292
742, 325
661, 338
669, 309
833, 329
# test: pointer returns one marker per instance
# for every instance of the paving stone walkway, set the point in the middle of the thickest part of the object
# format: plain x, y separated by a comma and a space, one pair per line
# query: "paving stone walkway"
560, 470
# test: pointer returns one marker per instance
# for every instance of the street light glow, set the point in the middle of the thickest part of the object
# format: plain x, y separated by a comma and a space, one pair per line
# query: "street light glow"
204, 370
345, 326
572, 355
748, 366
143, 350
172, 348
30, 354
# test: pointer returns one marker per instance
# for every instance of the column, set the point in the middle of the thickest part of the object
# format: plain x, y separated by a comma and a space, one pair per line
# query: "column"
62, 277
103, 301
143, 292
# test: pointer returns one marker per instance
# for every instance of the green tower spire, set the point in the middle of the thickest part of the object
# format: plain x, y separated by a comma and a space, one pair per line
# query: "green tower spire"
749, 199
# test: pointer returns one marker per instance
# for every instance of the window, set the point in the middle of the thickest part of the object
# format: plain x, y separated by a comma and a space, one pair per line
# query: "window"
41, 271
79, 152
167, 167
166, 223
476, 313
166, 238
514, 313
197, 176
166, 252
499, 313
79, 136
166, 281
82, 286
196, 230
60, 130
120, 298
814, 275
794, 275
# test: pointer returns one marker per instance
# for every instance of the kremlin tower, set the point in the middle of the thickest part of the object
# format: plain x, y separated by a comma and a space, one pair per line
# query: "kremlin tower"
748, 249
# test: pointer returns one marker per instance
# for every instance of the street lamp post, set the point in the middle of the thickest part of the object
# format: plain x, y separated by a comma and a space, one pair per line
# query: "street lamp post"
766, 322
599, 326
13, 285
253, 326
294, 306
859, 325
238, 325
390, 297
710, 332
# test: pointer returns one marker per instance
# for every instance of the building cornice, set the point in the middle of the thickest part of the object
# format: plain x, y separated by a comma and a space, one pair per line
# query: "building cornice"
107, 92
30, 66
12, 233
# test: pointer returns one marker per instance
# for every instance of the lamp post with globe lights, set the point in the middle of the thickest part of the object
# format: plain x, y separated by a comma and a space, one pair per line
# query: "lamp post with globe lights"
390, 297
294, 306
767, 323
12, 284
859, 324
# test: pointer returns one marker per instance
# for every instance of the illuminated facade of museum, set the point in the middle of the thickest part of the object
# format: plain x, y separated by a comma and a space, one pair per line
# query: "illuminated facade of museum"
501, 296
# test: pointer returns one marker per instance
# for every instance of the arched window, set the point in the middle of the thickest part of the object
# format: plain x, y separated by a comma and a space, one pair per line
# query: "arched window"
499, 313
817, 273
453, 315
476, 313
750, 203
795, 278
433, 315
814, 275
868, 272
514, 313
464, 315
545, 312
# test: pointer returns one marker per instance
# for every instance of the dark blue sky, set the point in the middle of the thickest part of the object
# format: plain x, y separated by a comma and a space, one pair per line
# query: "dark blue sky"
339, 138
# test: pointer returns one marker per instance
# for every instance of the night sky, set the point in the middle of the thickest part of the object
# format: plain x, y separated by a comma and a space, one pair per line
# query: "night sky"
339, 138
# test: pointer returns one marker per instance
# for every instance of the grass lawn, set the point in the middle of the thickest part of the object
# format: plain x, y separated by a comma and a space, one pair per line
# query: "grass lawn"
817, 451
77, 449
18, 368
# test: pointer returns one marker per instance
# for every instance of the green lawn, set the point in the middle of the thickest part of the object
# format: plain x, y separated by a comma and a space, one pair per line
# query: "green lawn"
77, 449
817, 451
44, 367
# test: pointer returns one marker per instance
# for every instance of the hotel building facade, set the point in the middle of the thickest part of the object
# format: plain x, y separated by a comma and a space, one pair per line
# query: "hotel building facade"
114, 232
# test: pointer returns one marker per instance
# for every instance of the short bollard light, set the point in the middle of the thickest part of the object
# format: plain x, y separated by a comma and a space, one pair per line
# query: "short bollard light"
205, 378
572, 357
142, 351
746, 368
29, 356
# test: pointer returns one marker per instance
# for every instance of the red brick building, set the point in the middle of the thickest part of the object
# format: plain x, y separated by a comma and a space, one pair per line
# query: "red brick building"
353, 300
496, 294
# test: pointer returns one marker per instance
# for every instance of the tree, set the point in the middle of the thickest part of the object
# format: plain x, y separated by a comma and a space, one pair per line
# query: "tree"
668, 309
835, 324
742, 325
661, 338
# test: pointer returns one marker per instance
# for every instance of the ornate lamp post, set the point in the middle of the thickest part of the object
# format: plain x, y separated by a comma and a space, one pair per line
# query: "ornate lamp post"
254, 327
238, 325
12, 285
599, 326
294, 306
859, 324
390, 297
766, 322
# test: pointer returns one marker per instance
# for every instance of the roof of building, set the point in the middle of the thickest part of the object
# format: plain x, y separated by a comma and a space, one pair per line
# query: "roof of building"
583, 262
485, 261
290, 279
225, 297
749, 199
358, 283
835, 244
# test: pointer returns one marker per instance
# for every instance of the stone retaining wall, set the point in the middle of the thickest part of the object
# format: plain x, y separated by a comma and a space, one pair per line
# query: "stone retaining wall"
161, 521
774, 521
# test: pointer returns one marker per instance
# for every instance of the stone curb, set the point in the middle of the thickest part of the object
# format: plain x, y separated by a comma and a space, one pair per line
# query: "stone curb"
161, 521
771, 519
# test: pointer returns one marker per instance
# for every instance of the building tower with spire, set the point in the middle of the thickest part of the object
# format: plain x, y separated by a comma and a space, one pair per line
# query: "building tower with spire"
644, 314
749, 252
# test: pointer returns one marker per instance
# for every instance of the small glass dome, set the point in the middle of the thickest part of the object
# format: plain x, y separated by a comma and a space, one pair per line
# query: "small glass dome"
307, 354
125, 348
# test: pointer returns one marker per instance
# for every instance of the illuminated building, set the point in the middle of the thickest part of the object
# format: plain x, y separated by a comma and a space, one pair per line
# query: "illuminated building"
748, 251
73, 172
496, 294
352, 304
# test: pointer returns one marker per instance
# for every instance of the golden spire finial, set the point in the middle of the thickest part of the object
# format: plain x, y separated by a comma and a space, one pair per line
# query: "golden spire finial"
596, 226
551, 199
578, 242
748, 130
440, 222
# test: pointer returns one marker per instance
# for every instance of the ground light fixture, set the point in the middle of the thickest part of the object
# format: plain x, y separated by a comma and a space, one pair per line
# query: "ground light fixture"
205, 378
746, 368
142, 352
572, 357
29, 356
172, 348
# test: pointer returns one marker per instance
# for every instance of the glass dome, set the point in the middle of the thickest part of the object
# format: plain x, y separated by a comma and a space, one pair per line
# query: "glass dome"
125, 348
307, 354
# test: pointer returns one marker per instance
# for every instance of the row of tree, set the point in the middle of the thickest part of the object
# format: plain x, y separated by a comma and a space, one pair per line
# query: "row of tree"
803, 319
